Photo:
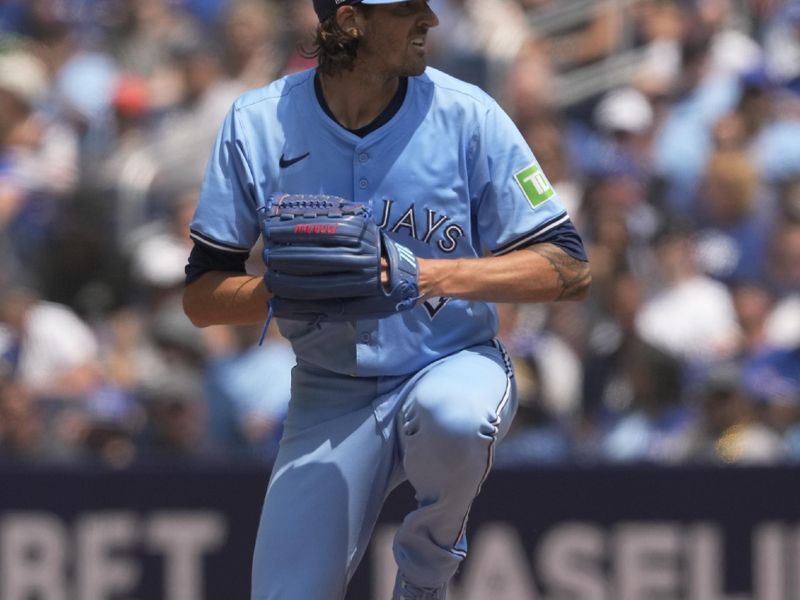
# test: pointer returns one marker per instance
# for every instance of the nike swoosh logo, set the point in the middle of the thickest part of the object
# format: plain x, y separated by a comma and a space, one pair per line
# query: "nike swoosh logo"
288, 162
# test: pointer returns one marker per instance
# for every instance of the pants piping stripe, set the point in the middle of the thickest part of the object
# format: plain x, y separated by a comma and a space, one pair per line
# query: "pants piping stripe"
490, 461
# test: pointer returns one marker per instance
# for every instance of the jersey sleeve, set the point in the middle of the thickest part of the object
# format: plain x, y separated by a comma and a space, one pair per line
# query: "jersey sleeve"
514, 203
225, 217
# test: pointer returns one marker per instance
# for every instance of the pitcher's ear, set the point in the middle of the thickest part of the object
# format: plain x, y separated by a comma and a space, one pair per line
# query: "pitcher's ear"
350, 20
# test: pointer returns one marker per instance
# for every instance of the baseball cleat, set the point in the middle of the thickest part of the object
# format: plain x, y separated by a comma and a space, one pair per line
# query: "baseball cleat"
405, 590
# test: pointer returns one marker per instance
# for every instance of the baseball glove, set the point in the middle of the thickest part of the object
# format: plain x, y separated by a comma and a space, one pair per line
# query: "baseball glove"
323, 257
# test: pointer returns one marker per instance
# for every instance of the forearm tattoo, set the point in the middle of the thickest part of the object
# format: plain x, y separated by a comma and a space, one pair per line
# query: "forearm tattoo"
573, 275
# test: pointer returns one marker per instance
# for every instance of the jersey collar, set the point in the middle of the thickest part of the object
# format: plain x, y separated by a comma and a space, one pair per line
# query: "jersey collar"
386, 115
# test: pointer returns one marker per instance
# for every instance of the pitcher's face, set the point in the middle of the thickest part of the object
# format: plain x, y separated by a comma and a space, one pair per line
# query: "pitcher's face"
395, 37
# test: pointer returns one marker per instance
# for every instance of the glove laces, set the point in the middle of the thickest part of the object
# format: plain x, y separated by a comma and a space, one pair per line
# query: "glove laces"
407, 303
266, 323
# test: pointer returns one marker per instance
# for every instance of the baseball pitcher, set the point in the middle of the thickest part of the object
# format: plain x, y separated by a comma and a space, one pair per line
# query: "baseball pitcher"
396, 204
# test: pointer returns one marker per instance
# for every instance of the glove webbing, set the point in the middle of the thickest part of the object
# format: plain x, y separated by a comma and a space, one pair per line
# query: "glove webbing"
295, 207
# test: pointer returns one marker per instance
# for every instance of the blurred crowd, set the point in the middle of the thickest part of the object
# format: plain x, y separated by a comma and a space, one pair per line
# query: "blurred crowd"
684, 181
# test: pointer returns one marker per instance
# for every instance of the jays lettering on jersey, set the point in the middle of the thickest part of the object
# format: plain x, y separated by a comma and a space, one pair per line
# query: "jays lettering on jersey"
449, 175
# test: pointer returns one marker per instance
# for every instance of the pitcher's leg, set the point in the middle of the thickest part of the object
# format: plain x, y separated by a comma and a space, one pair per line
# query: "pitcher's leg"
448, 428
323, 499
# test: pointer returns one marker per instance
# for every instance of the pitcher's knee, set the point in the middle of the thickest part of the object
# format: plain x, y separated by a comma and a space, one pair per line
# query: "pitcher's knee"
453, 431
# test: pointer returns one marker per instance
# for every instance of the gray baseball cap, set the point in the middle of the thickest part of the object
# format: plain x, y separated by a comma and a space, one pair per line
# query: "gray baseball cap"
325, 8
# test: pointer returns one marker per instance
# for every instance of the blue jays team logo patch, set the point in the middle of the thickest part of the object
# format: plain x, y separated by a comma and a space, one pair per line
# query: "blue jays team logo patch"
433, 305
534, 185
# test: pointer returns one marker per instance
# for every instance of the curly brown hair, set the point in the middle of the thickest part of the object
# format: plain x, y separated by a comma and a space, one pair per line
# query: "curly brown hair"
334, 48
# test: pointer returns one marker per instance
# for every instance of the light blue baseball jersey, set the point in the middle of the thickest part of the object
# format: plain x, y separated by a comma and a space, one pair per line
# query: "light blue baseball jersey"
448, 176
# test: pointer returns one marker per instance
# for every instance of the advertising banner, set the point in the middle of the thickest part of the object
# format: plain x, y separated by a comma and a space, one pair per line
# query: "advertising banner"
186, 533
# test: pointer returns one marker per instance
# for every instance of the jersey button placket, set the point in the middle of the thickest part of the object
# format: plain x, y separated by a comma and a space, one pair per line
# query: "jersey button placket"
361, 159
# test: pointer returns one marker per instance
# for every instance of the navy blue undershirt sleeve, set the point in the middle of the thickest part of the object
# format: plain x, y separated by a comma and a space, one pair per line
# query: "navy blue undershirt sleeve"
566, 237
204, 258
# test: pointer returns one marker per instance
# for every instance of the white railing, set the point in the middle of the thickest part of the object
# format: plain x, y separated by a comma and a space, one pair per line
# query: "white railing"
575, 83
